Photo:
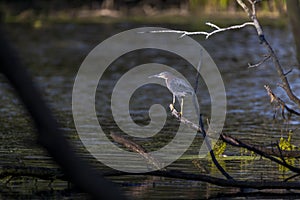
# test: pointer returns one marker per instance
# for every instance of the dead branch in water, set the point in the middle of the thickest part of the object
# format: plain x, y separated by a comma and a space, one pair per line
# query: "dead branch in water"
136, 148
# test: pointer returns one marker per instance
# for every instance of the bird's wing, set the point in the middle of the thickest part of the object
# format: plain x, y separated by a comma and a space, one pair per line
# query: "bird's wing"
180, 86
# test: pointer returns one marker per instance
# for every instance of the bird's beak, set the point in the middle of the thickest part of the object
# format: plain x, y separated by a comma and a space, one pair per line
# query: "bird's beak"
154, 76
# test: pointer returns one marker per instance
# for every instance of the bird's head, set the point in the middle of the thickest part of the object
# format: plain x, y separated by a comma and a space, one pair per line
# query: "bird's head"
164, 75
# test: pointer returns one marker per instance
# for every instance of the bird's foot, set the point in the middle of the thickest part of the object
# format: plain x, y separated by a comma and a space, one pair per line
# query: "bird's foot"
180, 114
172, 107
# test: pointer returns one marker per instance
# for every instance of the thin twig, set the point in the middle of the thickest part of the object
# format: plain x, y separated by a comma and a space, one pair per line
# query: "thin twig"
280, 151
286, 73
260, 62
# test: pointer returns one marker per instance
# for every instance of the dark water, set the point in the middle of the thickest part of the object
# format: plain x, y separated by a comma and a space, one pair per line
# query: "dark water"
54, 53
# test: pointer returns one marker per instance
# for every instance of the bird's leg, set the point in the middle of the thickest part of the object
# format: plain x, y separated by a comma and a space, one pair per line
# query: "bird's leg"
173, 104
181, 108
174, 97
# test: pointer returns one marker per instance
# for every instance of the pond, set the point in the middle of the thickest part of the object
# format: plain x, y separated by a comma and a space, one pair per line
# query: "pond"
54, 53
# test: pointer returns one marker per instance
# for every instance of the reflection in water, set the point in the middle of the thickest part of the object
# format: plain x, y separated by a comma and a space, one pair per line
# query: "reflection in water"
249, 114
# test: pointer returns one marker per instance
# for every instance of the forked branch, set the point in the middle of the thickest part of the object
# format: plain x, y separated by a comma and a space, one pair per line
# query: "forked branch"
237, 143
252, 15
207, 34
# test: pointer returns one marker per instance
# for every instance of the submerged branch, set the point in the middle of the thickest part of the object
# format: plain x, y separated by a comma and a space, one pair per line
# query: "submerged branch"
260, 150
136, 148
216, 181
211, 152
200, 129
237, 143
53, 174
36, 172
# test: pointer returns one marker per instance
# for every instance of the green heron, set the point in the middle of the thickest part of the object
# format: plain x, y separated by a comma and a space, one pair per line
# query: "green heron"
178, 87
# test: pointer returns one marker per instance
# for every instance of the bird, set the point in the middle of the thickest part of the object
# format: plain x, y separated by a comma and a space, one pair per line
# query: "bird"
179, 88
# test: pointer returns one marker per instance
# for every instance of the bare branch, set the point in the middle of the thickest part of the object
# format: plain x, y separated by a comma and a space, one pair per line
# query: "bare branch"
207, 34
49, 174
212, 25
286, 73
291, 177
200, 129
239, 143
227, 28
280, 102
252, 15
136, 148
259, 63
211, 152
256, 149
215, 181
260, 33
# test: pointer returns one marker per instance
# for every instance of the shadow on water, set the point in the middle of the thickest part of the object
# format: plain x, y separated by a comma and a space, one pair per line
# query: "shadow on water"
54, 54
